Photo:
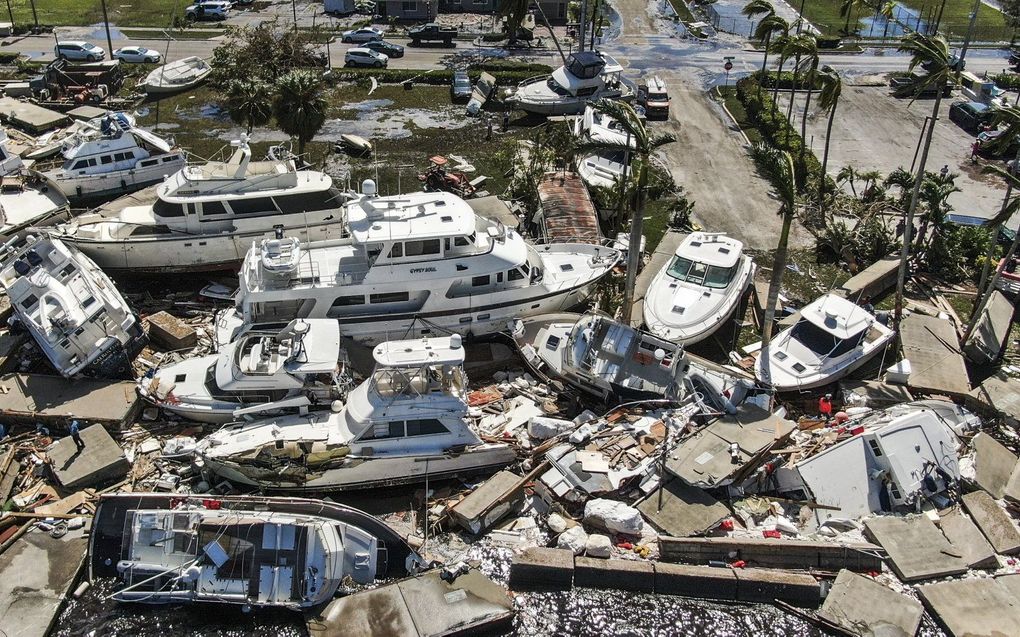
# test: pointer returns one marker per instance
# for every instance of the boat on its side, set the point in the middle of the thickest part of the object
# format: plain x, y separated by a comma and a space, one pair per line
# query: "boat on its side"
274, 369
698, 289
407, 423
253, 551
603, 169
833, 338
181, 75
616, 363
586, 76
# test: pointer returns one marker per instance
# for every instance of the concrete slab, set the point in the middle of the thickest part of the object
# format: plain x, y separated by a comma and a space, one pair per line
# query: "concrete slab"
31, 398
989, 337
760, 585
662, 255
170, 332
1000, 395
967, 538
35, 573
540, 567
487, 504
695, 581
936, 364
30, 117
872, 281
994, 522
877, 393
865, 607
625, 575
917, 549
772, 553
684, 511
417, 607
975, 606
996, 467
102, 460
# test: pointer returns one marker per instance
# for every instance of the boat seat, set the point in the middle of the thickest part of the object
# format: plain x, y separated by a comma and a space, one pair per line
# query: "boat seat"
250, 363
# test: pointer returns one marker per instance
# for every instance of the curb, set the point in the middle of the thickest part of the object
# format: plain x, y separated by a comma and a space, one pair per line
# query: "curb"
722, 103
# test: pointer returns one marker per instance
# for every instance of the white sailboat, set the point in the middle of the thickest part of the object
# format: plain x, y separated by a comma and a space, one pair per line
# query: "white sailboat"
832, 338
70, 307
406, 422
206, 217
414, 264
701, 286
299, 365
179, 75
586, 76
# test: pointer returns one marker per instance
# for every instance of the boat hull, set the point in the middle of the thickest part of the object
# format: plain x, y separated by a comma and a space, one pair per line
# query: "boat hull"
91, 188
783, 383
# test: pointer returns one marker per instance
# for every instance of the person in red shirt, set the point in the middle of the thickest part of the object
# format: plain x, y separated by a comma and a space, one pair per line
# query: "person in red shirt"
825, 406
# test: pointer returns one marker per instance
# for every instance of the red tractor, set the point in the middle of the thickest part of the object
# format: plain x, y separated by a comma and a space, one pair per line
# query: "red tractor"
437, 177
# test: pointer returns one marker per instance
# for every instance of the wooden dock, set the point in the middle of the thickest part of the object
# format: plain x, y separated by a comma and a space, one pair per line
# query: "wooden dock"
936, 361
29, 117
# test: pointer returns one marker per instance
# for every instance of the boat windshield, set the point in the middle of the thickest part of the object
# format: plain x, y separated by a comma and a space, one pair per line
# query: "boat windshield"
710, 276
824, 343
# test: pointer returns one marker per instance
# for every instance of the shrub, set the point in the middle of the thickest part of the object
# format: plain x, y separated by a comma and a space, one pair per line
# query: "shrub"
1008, 81
828, 41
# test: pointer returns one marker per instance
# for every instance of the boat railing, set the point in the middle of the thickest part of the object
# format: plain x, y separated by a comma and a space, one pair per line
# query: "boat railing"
534, 80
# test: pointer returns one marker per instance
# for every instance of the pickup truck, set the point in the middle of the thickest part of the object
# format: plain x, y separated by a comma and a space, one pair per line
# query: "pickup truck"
431, 32
904, 86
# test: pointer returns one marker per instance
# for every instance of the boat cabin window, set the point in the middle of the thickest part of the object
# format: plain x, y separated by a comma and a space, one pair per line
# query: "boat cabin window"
256, 206
421, 248
396, 251
84, 163
585, 65
169, 158
463, 242
515, 275
310, 201
166, 209
149, 163
480, 281
29, 301
124, 156
273, 311
106, 159
710, 276
823, 343
344, 301
389, 297
400, 429
425, 427
211, 208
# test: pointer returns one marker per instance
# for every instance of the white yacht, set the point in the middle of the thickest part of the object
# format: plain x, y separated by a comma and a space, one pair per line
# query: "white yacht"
414, 264
616, 362
27, 197
832, 338
206, 217
70, 307
299, 365
604, 169
701, 286
406, 423
587, 76
110, 156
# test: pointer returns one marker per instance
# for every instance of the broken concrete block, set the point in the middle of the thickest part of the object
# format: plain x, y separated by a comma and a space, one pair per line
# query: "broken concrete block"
490, 502
556, 523
540, 567
613, 516
102, 460
573, 539
598, 545
994, 522
863, 606
997, 469
544, 428
171, 332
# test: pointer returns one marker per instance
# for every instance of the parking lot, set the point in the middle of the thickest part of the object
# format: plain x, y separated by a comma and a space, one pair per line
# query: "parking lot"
876, 131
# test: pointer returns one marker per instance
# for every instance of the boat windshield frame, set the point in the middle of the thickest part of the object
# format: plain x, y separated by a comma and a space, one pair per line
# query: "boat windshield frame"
710, 276
818, 339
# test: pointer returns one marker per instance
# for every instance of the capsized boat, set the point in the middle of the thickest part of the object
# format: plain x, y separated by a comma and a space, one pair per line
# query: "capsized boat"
205, 217
109, 156
698, 289
27, 197
168, 548
832, 338
604, 169
587, 76
179, 75
262, 371
615, 362
70, 307
414, 264
407, 423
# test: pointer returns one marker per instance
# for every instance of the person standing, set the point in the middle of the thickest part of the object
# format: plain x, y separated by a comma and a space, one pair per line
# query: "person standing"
825, 406
76, 436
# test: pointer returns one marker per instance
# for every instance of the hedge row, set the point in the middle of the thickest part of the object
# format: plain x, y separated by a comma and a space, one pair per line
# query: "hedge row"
1008, 81
786, 80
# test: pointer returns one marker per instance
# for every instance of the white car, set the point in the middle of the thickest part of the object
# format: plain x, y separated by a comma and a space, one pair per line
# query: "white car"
365, 57
137, 55
208, 10
79, 50
366, 34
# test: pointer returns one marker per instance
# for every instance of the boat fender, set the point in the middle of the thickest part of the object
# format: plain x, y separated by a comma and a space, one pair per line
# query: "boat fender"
123, 184
77, 189
336, 406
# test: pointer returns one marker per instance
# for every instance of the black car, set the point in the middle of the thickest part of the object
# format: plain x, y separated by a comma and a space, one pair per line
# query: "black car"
460, 87
384, 47
971, 116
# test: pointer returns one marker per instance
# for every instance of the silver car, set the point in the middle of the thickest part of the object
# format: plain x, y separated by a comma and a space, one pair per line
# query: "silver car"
365, 34
365, 57
137, 55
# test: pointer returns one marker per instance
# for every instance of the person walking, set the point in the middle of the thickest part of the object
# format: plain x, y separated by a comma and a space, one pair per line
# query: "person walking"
76, 436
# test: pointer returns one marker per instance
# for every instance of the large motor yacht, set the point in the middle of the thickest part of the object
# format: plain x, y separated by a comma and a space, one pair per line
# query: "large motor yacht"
414, 265
70, 307
263, 370
701, 286
586, 76
832, 338
27, 197
605, 168
407, 423
206, 217
110, 156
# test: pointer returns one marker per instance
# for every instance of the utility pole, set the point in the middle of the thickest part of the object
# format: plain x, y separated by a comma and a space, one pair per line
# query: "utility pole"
35, 16
106, 23
10, 12
970, 33
582, 23
293, 6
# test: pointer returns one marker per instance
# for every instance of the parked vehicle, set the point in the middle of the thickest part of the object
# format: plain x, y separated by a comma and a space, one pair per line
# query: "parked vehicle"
365, 57
654, 98
79, 50
137, 55
460, 87
386, 48
431, 32
364, 34
208, 10
971, 116
907, 86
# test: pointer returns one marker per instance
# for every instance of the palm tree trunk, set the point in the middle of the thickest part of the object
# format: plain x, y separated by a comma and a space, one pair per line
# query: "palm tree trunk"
846, 27
803, 118
793, 98
908, 227
825, 153
778, 266
634, 248
764, 65
775, 88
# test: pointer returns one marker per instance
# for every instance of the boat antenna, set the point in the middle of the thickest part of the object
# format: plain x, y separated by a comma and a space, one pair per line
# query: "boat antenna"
166, 53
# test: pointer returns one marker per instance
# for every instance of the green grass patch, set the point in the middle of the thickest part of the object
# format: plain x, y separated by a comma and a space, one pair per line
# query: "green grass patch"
739, 113
687, 17
83, 12
990, 25
177, 34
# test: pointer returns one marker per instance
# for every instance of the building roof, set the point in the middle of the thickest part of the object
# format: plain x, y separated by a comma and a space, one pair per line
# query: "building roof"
568, 214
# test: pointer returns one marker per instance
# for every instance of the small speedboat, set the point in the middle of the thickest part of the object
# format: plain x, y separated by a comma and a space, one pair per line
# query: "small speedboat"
587, 76
701, 286
354, 144
832, 338
181, 75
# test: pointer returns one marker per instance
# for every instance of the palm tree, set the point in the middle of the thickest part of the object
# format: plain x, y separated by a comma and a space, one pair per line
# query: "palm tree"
1009, 118
808, 46
935, 191
887, 10
767, 27
846, 9
779, 44
249, 102
930, 52
644, 144
514, 11
777, 166
870, 179
300, 106
847, 174
828, 100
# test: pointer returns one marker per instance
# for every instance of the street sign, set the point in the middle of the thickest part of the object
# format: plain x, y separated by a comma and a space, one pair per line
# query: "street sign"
728, 66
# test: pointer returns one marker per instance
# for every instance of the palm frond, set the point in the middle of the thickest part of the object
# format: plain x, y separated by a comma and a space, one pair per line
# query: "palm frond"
770, 25
755, 8
777, 166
